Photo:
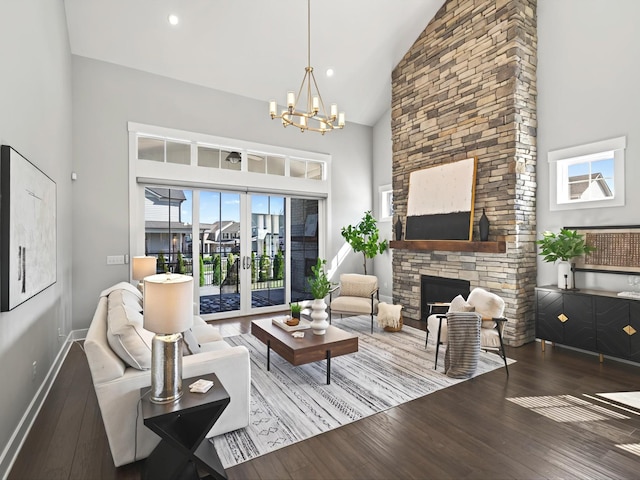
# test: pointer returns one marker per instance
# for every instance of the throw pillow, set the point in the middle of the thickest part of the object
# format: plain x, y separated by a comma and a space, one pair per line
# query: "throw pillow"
190, 343
127, 337
459, 304
122, 286
487, 304
126, 298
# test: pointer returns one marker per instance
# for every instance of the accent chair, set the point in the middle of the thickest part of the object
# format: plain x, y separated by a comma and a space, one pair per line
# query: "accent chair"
491, 308
355, 295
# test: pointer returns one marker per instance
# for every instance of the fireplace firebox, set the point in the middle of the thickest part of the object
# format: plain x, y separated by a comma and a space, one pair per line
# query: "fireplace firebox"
440, 289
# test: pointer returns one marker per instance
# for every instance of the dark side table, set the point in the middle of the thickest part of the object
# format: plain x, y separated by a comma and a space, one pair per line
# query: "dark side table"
182, 427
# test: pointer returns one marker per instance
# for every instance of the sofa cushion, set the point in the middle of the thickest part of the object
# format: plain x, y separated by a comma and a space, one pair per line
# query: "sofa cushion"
126, 336
360, 305
356, 285
206, 333
215, 346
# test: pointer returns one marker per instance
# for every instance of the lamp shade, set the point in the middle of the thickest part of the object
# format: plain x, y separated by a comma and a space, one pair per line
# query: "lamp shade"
168, 303
142, 267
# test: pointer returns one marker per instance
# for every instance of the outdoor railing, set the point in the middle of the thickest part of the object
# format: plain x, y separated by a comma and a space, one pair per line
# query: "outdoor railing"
208, 272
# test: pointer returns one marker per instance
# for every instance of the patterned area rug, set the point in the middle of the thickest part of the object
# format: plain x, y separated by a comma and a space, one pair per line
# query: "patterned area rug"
290, 404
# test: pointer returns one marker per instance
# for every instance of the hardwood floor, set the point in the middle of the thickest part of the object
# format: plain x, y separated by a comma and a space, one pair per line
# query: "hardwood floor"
470, 430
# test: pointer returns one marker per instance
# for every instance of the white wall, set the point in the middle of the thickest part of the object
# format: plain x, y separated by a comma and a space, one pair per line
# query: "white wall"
106, 97
35, 119
588, 74
382, 157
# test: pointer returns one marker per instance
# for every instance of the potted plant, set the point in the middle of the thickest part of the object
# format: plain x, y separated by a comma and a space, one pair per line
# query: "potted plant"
296, 308
319, 286
563, 247
365, 237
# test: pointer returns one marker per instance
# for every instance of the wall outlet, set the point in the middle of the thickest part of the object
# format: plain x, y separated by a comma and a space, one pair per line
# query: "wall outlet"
34, 371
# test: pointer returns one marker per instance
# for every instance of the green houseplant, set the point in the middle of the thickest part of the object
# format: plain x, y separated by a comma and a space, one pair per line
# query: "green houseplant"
562, 247
296, 308
319, 286
365, 237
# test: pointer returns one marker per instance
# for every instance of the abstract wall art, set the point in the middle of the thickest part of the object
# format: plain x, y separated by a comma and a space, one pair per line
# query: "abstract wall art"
441, 202
27, 229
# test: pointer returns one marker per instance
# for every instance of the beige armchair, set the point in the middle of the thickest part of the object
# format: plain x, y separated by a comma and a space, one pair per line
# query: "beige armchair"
356, 295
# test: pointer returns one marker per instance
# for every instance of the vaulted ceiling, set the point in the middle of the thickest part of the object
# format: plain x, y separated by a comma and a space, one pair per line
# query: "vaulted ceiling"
258, 48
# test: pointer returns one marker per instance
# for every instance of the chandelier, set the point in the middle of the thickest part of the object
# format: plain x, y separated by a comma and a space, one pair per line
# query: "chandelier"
306, 110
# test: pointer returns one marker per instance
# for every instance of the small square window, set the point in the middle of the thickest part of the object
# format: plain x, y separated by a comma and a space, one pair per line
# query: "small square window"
588, 176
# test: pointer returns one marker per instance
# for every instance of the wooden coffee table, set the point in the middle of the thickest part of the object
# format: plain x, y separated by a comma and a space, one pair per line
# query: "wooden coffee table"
310, 348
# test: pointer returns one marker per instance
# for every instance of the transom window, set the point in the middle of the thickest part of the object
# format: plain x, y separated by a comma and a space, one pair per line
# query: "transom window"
166, 150
588, 176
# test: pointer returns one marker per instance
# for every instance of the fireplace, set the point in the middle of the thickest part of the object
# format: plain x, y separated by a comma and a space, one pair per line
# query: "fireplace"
440, 289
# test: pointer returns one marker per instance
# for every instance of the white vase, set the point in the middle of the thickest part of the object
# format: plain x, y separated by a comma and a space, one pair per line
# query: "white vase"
565, 278
319, 322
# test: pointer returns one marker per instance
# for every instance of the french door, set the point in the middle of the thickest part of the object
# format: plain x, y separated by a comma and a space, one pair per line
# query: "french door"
248, 253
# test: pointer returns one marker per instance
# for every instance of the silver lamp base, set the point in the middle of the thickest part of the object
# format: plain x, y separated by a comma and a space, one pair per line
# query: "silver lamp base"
166, 368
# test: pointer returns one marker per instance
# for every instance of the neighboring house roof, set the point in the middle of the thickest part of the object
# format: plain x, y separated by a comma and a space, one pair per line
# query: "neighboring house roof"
173, 194
227, 226
578, 184
165, 226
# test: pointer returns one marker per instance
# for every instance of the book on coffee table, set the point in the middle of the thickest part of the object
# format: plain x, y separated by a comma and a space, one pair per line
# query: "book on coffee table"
279, 321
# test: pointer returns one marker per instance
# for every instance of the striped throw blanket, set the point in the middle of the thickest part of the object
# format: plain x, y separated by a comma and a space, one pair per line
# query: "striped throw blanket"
463, 344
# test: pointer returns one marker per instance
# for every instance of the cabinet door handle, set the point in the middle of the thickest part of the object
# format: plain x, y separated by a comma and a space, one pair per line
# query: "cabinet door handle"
563, 318
629, 330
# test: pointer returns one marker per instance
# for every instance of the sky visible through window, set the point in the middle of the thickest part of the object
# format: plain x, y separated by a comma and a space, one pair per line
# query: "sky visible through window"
604, 167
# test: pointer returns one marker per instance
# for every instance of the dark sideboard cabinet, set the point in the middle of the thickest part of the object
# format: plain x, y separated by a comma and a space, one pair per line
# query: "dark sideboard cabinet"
593, 320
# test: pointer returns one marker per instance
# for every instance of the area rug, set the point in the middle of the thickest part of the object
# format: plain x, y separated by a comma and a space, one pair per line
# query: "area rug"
631, 399
290, 404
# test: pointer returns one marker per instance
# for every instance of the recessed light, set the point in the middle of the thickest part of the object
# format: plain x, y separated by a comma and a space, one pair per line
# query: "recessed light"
173, 19
329, 72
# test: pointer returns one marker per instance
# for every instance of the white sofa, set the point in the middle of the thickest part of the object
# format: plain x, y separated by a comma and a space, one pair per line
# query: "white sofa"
117, 327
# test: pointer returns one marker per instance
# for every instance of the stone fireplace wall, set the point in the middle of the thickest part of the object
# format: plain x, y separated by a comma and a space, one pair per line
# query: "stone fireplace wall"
467, 87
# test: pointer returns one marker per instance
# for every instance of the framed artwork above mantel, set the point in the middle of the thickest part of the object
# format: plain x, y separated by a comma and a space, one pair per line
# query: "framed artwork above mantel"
617, 249
441, 201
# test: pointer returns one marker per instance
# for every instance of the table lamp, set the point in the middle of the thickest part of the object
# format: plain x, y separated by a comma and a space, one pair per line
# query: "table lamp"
142, 267
168, 311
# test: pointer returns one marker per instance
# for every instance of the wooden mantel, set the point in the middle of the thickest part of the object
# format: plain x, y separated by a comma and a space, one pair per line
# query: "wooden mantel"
499, 246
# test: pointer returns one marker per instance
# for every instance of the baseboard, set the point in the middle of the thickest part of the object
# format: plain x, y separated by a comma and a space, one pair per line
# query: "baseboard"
386, 299
10, 452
